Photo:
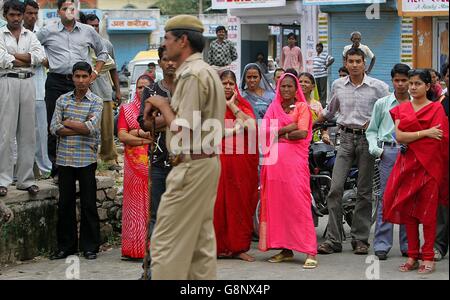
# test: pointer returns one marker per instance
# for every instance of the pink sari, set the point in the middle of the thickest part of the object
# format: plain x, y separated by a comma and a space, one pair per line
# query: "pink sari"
135, 186
286, 217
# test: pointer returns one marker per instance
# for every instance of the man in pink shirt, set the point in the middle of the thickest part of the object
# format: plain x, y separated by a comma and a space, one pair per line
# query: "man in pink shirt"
291, 56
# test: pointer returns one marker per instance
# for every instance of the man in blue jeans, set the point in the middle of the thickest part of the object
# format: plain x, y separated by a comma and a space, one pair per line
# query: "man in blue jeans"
160, 157
382, 144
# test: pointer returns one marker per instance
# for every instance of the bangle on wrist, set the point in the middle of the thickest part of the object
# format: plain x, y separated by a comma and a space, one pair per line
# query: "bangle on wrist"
238, 111
286, 135
418, 133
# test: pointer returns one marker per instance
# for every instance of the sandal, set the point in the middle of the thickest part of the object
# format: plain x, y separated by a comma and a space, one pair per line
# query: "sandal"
3, 191
280, 257
326, 248
6, 214
406, 267
33, 190
310, 264
426, 269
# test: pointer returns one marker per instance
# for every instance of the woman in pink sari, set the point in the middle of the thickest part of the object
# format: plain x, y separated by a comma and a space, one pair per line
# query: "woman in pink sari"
286, 218
135, 181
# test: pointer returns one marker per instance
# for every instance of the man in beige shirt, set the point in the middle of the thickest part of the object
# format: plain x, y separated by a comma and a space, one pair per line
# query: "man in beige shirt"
183, 244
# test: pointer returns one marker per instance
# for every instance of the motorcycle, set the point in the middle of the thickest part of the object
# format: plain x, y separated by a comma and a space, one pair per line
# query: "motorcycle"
322, 158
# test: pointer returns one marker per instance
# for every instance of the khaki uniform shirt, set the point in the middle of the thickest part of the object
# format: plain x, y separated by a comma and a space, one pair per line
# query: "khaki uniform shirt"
199, 104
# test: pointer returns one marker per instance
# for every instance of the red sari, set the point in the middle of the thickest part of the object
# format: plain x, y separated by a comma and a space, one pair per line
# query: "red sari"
237, 195
419, 179
135, 186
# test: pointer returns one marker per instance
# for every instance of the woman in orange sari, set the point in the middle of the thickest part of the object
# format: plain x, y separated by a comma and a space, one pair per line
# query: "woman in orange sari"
135, 181
419, 179
237, 195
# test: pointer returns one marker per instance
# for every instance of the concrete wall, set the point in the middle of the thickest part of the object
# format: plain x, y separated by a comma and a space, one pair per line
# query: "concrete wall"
32, 232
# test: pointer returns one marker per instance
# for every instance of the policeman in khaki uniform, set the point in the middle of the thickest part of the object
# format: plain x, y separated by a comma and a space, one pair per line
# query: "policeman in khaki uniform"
183, 244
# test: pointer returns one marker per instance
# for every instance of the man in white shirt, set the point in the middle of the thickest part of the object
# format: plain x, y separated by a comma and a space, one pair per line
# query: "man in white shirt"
20, 52
356, 37
41, 154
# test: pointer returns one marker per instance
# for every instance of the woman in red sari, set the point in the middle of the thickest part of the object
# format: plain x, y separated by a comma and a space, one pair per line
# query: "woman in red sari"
135, 181
419, 179
237, 195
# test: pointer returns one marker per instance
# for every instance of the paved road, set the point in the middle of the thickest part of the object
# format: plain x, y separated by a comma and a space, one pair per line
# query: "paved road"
344, 265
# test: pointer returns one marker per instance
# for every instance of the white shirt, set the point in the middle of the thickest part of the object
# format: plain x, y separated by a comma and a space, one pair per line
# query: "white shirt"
369, 54
28, 43
40, 77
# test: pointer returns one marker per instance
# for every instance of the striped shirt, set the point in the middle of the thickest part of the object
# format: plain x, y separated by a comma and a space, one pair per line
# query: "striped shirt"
354, 103
80, 150
320, 65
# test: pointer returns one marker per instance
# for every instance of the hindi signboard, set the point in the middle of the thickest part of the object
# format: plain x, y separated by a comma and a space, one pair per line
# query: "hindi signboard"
232, 4
340, 2
422, 8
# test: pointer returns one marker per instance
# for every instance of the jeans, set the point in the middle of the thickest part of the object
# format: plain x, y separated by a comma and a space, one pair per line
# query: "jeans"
384, 231
353, 147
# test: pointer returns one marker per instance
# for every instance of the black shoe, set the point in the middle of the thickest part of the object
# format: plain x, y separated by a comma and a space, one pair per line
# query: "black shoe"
382, 255
90, 255
60, 255
326, 248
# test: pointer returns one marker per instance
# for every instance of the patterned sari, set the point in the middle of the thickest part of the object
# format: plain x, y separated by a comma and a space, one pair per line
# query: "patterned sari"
135, 186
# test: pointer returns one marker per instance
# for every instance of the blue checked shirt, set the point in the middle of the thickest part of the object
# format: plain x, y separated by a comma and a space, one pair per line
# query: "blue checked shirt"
80, 150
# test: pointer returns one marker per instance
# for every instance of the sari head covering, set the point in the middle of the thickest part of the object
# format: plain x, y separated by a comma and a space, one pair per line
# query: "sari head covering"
134, 106
242, 103
259, 103
264, 84
277, 112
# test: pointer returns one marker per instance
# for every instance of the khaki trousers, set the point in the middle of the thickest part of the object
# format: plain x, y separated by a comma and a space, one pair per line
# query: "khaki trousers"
17, 120
183, 244
108, 152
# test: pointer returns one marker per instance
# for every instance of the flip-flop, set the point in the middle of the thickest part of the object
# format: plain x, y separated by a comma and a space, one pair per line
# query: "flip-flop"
6, 214
426, 269
310, 264
3, 191
280, 258
406, 267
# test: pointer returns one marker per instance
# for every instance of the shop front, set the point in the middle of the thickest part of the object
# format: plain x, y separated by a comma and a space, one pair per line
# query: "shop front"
263, 27
381, 30
132, 31
430, 31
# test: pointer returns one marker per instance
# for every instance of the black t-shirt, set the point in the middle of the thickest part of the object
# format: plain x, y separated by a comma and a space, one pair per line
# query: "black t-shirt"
160, 156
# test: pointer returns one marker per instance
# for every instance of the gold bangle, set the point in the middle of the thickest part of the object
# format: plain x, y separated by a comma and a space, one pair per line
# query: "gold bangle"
287, 135
418, 133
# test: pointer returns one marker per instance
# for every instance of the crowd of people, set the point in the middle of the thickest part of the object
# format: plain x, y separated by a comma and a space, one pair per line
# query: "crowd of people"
202, 200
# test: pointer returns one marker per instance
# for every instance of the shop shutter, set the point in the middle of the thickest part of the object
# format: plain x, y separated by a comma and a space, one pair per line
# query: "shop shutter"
126, 46
382, 36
